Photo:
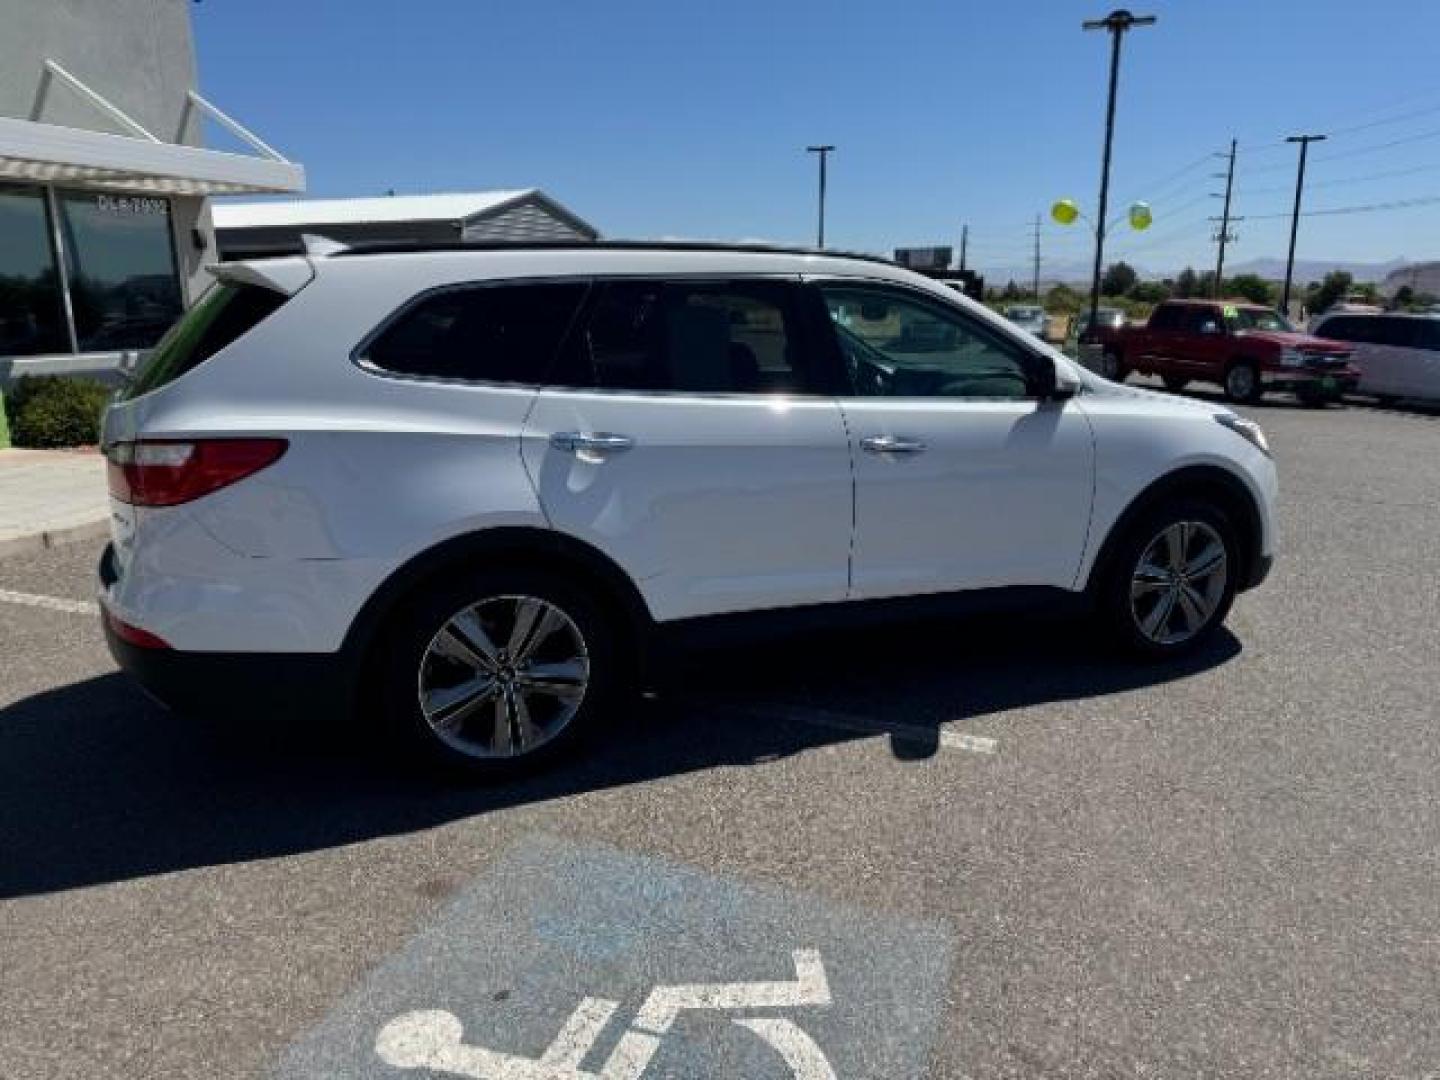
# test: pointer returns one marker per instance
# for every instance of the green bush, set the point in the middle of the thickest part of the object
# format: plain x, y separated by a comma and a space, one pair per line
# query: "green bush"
55, 410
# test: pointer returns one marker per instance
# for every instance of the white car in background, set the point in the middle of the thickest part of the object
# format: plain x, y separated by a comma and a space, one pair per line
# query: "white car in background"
474, 487
1398, 355
1029, 318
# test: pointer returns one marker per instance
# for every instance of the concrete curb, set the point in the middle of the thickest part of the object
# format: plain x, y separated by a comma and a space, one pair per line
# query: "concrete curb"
70, 534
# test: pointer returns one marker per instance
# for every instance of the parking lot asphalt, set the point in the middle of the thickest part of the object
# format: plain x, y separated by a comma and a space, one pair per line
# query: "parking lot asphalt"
978, 849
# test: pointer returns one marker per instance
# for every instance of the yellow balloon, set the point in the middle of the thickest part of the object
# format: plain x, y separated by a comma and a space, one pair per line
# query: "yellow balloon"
1140, 216
1065, 211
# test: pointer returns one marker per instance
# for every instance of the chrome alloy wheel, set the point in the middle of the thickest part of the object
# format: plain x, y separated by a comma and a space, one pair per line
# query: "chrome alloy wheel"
1178, 582
503, 676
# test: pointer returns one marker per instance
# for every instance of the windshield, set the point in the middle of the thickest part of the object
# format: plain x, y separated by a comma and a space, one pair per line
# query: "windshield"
1245, 318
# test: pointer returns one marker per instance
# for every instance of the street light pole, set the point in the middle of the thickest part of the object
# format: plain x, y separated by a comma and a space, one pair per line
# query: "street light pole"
1304, 141
824, 152
1117, 23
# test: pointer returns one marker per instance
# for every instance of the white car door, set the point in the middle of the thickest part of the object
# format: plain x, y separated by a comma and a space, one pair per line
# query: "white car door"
964, 479
685, 438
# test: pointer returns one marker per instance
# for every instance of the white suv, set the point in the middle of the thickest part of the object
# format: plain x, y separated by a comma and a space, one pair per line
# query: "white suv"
477, 485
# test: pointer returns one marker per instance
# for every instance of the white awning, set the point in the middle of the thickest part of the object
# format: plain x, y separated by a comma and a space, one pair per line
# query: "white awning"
47, 153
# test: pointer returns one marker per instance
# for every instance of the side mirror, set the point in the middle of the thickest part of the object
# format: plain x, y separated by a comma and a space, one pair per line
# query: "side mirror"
1064, 383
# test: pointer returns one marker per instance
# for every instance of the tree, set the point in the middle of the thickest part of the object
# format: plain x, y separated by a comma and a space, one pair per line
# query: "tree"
1186, 284
1063, 299
1119, 279
1149, 292
1012, 291
1404, 297
1336, 284
1252, 287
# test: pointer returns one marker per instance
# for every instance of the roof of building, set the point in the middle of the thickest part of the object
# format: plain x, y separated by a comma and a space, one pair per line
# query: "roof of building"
281, 213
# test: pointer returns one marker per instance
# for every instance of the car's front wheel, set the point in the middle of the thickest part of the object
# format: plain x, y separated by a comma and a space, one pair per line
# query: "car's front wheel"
497, 672
1173, 579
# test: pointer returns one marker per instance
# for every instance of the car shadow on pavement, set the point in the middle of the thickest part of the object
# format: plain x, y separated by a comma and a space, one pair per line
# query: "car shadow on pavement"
99, 784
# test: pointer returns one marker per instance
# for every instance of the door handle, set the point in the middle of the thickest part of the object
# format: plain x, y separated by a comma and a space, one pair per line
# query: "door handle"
591, 443
891, 444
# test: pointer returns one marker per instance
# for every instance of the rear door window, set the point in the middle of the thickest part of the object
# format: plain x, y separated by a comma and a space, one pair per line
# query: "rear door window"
1166, 317
484, 333
225, 313
733, 337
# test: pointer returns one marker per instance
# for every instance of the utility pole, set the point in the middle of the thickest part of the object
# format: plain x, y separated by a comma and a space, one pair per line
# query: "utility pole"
1304, 141
1117, 23
824, 152
1225, 221
1037, 256
964, 241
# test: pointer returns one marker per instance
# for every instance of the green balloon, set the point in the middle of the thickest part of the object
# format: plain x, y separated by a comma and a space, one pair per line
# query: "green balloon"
1065, 211
1140, 216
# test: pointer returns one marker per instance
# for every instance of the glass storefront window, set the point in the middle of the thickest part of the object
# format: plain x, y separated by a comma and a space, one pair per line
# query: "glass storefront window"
124, 289
32, 319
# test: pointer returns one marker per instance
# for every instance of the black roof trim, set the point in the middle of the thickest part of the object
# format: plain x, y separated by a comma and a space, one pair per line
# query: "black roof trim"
393, 247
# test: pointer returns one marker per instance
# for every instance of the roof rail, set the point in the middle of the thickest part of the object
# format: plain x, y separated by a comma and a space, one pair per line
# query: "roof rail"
392, 247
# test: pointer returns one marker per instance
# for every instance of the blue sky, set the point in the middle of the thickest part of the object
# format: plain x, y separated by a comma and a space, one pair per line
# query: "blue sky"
687, 119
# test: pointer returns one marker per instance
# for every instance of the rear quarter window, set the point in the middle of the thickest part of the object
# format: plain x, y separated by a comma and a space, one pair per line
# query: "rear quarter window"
484, 333
225, 313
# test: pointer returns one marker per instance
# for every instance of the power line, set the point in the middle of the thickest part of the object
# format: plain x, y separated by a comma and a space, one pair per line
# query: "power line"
1342, 181
1365, 208
1380, 146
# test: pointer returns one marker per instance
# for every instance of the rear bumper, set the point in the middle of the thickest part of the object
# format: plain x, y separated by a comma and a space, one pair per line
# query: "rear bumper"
233, 683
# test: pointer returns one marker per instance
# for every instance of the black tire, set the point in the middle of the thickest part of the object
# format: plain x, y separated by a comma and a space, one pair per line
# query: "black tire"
1242, 383
406, 659
1123, 615
1174, 383
1112, 366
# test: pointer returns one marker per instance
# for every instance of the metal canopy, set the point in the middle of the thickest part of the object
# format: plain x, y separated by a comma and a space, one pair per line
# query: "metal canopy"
137, 162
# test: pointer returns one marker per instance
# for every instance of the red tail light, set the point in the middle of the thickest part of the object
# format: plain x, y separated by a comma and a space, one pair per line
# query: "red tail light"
167, 472
141, 639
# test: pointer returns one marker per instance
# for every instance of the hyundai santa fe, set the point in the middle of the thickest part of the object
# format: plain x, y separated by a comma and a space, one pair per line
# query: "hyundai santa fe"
470, 489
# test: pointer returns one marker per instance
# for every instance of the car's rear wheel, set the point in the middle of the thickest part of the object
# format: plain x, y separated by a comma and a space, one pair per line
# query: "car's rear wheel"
498, 672
1242, 383
1172, 579
1112, 367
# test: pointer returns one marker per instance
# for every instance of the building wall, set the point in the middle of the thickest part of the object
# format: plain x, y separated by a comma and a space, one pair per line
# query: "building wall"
136, 53
521, 222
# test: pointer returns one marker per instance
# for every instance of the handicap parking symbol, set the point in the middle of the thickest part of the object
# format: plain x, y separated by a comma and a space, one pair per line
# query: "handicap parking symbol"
570, 962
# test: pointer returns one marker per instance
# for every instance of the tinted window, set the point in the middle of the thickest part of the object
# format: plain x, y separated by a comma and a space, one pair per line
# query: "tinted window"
1196, 317
898, 346
221, 316
124, 288
689, 338
1166, 317
31, 316
1428, 336
1391, 331
502, 333
1341, 329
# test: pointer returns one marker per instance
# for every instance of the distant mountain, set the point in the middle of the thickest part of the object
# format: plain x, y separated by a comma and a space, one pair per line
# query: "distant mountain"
1306, 270
1315, 269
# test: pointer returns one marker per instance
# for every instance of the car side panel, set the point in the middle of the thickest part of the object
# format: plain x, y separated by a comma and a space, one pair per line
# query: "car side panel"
1139, 440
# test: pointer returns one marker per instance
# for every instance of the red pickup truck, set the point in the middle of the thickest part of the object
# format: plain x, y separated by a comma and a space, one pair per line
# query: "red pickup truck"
1245, 348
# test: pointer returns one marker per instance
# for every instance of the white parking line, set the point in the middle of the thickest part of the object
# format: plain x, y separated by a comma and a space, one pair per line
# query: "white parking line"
50, 603
950, 740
